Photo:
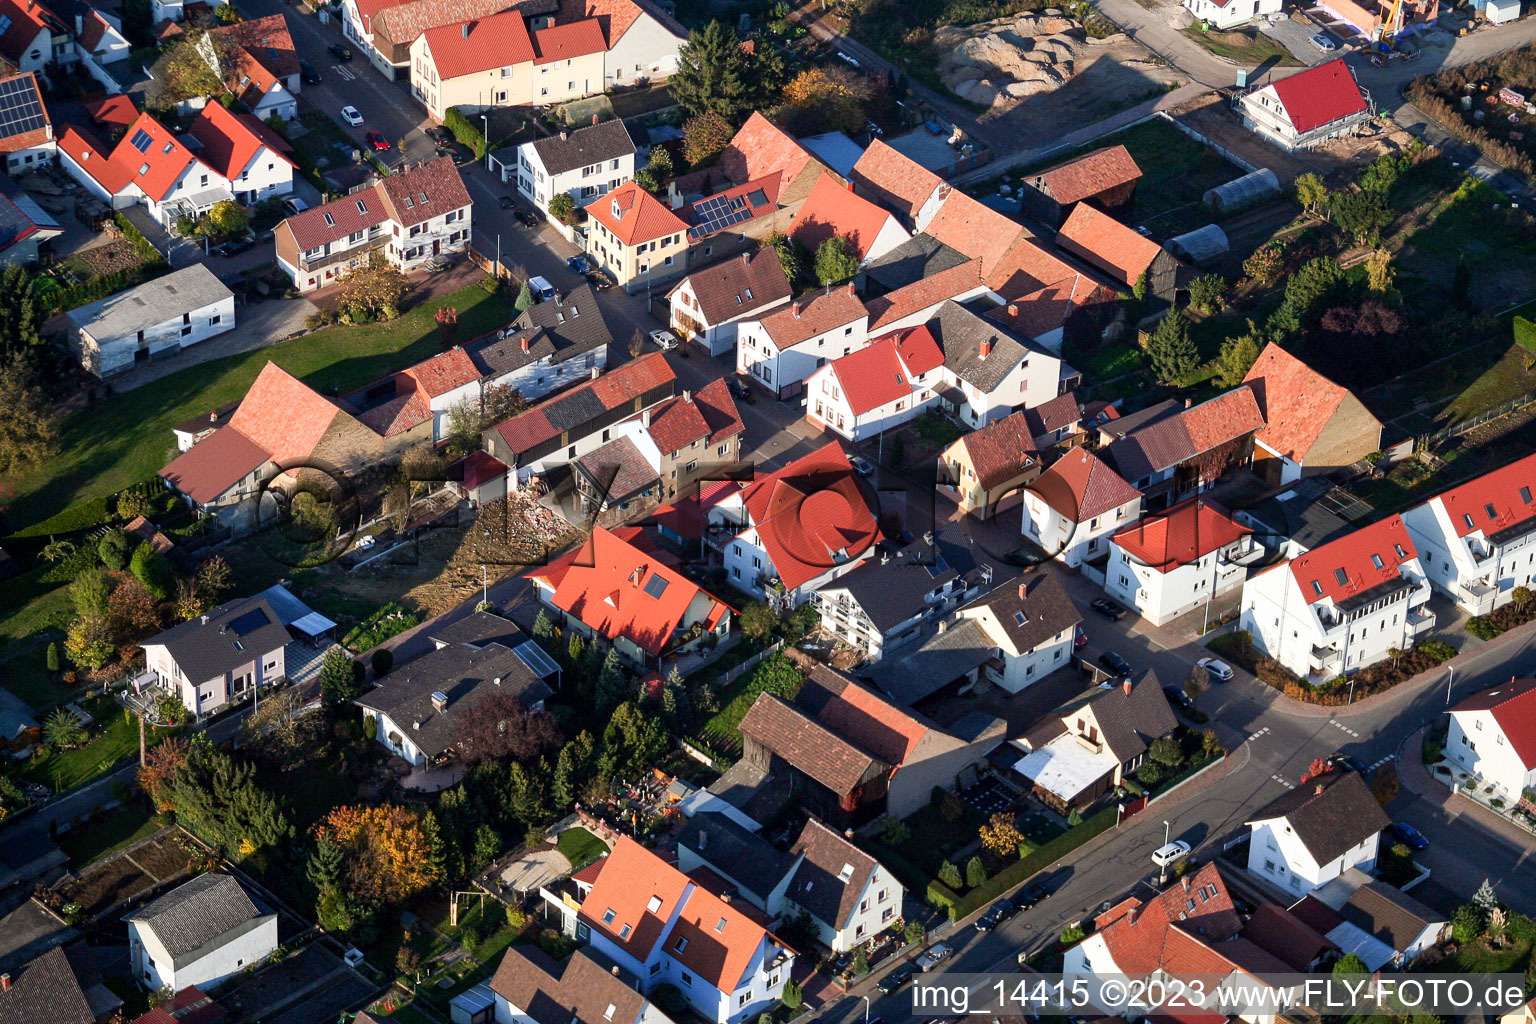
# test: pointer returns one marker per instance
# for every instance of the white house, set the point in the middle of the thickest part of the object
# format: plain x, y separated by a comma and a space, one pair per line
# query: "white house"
1308, 108
1071, 509
1379, 923
791, 532
32, 37
584, 164
1231, 13
26, 137
426, 392
199, 933
643, 41
1492, 737
244, 150
99, 41
1315, 832
989, 371
1031, 623
661, 926
783, 348
1341, 606
527, 983
833, 209
873, 389
551, 345
1478, 541
220, 656
1176, 561
708, 304
151, 167
157, 318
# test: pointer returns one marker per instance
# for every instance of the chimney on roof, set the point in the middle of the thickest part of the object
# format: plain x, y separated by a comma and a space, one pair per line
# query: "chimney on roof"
687, 397
594, 120
464, 30
986, 348
439, 701
725, 897
1023, 590
943, 625
1188, 402
496, 681
1185, 880
645, 418
615, 970
5, 982
851, 289
1131, 917
1318, 790
526, 346
596, 372
205, 620
1126, 686
1013, 309
746, 258
564, 135
795, 309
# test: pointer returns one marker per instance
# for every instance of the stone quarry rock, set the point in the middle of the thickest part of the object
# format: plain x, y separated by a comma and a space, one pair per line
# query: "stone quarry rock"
998, 63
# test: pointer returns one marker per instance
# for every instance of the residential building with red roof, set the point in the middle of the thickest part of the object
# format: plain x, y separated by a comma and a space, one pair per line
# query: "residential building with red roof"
876, 388
698, 435
662, 926
762, 149
265, 74
708, 304
32, 37
1177, 561
1343, 605
27, 140
784, 347
1476, 540
1185, 451
834, 209
898, 183
1311, 425
1105, 178
1045, 315
98, 41
985, 471
148, 166
619, 591
791, 531
409, 217
244, 151
1071, 509
536, 988
1492, 738
637, 238
423, 394
1112, 248
1308, 108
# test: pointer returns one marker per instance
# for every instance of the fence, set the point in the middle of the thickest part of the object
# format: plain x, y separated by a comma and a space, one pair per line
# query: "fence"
750, 663
1225, 153
1476, 421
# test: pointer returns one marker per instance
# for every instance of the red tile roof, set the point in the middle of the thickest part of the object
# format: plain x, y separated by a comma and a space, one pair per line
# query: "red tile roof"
1185, 533
833, 209
809, 511
1346, 567
927, 293
337, 219
1081, 485
402, 22
26, 21
1509, 491
1514, 707
283, 415
156, 168
36, 136
425, 191
759, 198
1295, 399
806, 318
618, 590
612, 389
615, 16
230, 142
265, 55
1145, 935
1090, 174
761, 148
1319, 96
480, 467
893, 179
1222, 419
1001, 450
215, 464
94, 29
399, 414
443, 372
1025, 267
1107, 244
721, 289
563, 42
977, 230
860, 715
886, 370
492, 42
634, 215
118, 110
710, 414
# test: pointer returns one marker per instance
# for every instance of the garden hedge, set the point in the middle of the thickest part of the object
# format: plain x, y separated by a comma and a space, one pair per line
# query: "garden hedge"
1022, 869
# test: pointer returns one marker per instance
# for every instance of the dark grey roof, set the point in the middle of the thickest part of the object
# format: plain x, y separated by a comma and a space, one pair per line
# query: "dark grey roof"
46, 989
1296, 513
1130, 722
199, 916
596, 143
15, 716
918, 257
618, 470
831, 877
1377, 908
479, 629
1134, 421
567, 326
1330, 814
232, 635
464, 675
960, 334
1033, 617
912, 675
731, 850
892, 588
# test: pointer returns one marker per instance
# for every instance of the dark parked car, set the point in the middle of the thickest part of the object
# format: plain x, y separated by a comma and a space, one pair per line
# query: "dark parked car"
235, 246
440, 135
740, 391
598, 278
1107, 608
1408, 835
309, 73
340, 52
1032, 895
506, 202
1178, 698
897, 978
377, 141
996, 914
1347, 763
1114, 663
527, 219
1025, 557
462, 154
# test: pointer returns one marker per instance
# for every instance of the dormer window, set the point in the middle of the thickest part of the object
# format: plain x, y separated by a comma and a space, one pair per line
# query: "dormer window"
680, 945
1466, 517
720, 926
608, 916
1377, 562
654, 905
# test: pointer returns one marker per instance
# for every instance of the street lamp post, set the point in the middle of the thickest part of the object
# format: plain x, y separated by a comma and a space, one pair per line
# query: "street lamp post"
1165, 833
866, 1008
1449, 679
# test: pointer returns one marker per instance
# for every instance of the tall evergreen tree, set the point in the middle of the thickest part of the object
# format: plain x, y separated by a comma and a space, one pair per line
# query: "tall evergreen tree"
338, 679
714, 73
612, 682
1173, 352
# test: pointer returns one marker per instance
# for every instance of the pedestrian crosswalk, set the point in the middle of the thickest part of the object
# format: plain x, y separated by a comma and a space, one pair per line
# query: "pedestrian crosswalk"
1381, 762
1255, 735
1340, 725
1287, 783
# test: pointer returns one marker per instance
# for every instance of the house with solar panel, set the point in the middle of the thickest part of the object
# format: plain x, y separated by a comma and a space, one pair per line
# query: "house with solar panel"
220, 657
26, 132
151, 167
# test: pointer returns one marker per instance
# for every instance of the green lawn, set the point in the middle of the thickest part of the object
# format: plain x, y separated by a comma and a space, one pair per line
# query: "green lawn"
580, 847
775, 674
127, 438
115, 736
1111, 359
1243, 47
1504, 380
26, 675
89, 843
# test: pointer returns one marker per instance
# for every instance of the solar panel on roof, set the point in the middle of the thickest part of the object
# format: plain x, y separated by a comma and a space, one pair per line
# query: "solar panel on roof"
141, 140
20, 109
656, 585
248, 623
758, 197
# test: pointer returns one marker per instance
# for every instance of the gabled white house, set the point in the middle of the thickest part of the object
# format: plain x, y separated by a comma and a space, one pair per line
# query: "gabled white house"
1031, 623
783, 348
1071, 509
1478, 541
220, 656
151, 167
245, 151
584, 164
643, 41
710, 302
1341, 606
527, 983
1492, 737
663, 927
1316, 832
869, 391
1231, 13
1308, 108
199, 933
1174, 562
158, 318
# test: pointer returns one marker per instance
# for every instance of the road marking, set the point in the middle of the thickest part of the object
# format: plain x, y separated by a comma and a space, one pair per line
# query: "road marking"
1256, 735
1381, 762
1287, 783
344, 72
1340, 725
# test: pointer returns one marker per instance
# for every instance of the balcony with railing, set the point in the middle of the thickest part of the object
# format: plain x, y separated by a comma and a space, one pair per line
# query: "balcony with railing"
1420, 619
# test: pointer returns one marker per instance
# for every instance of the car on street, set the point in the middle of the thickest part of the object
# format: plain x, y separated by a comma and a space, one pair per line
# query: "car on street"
1347, 763
740, 390
664, 339
340, 52
1178, 698
1114, 663
351, 115
580, 263
1032, 895
1219, 671
1111, 610
996, 914
235, 246
439, 135
929, 960
1165, 855
293, 204
897, 978
598, 278
1025, 556
542, 290
377, 141
1079, 638
1407, 835
462, 155
861, 465
527, 219
506, 202
309, 73
1323, 41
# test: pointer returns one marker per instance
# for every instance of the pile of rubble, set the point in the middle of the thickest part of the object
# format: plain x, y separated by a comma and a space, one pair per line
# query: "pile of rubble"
997, 63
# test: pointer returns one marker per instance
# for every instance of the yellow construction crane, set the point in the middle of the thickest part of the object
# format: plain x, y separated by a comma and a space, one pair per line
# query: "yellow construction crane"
1392, 25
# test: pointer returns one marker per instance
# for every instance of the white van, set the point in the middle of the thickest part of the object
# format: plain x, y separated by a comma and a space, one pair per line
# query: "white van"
1165, 855
542, 290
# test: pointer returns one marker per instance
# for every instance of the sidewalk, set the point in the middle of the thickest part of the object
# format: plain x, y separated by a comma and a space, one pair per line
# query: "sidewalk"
1415, 776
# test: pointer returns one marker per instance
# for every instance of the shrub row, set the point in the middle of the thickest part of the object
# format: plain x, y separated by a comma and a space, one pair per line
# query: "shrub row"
1500, 620
109, 284
1023, 868
464, 131
80, 516
1238, 647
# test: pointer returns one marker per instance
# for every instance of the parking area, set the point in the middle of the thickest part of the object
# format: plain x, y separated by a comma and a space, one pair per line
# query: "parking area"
1295, 34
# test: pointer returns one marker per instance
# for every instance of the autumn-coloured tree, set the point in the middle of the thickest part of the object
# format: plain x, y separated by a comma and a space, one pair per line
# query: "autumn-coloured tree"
1316, 768
498, 725
704, 136
189, 602
500, 403
830, 98
388, 853
160, 763
376, 287
447, 318
1001, 836
88, 641
131, 609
